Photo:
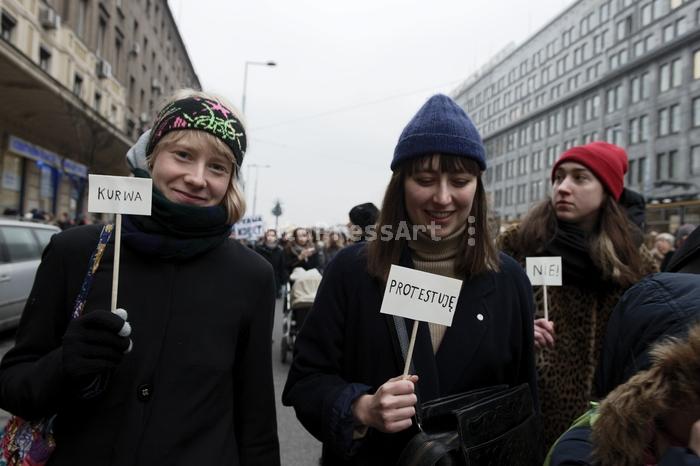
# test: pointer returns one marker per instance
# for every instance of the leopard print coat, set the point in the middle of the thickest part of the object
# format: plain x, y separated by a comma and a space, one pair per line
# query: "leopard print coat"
565, 372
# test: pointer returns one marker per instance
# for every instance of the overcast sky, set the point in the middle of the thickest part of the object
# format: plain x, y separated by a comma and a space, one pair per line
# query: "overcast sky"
349, 77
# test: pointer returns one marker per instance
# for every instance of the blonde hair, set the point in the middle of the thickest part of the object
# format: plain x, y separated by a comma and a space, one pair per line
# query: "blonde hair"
234, 200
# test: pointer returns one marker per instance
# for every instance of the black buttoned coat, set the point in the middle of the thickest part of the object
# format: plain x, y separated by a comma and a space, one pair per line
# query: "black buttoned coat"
197, 387
345, 340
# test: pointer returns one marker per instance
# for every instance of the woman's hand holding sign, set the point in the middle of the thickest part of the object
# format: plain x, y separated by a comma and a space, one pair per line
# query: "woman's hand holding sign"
391, 407
544, 333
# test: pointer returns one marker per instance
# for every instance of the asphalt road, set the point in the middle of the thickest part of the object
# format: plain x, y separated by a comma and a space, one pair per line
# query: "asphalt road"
297, 447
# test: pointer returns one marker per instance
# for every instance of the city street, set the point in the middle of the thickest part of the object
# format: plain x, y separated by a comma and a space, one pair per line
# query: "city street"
297, 447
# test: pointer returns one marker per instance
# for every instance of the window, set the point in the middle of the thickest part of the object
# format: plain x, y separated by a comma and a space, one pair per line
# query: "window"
613, 134
499, 172
605, 11
77, 85
82, 14
536, 161
695, 160
552, 152
509, 196
571, 116
696, 112
7, 27
591, 106
696, 64
668, 32
664, 126
631, 167
44, 59
614, 98
623, 28
510, 169
522, 165
21, 244
521, 193
633, 131
101, 33
647, 14
643, 128
667, 166
676, 76
675, 117
553, 123
641, 170
498, 199
118, 45
98, 101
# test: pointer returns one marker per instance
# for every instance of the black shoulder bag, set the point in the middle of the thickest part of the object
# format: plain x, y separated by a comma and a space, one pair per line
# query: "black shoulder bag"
491, 426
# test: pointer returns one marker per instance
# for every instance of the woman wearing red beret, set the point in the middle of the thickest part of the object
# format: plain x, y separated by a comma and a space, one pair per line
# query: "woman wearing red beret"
584, 224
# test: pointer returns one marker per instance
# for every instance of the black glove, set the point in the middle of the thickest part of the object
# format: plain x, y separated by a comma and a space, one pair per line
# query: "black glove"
93, 343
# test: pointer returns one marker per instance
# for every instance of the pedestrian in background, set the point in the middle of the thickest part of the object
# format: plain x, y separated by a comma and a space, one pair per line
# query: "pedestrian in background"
270, 249
189, 380
301, 252
345, 382
602, 256
361, 217
663, 249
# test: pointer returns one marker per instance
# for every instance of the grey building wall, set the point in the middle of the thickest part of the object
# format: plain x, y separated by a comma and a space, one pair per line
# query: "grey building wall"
623, 71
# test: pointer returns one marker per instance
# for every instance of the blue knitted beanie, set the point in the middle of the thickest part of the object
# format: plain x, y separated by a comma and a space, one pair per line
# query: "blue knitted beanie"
440, 127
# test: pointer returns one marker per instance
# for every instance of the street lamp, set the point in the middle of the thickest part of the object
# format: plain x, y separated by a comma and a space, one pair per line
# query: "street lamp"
245, 77
255, 190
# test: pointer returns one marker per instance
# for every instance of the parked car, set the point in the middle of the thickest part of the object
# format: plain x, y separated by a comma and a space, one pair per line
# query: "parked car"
21, 245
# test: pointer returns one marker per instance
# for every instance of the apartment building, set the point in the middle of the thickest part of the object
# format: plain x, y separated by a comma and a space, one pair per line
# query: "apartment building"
622, 71
79, 79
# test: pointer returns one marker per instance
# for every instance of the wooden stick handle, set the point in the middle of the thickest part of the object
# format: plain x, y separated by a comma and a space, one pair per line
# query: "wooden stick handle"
117, 253
546, 307
412, 343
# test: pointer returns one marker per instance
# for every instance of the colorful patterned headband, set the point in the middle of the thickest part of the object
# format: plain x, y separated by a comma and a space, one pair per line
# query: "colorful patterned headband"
205, 115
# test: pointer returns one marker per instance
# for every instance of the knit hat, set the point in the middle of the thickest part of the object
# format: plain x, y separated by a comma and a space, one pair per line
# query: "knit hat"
608, 163
440, 127
197, 113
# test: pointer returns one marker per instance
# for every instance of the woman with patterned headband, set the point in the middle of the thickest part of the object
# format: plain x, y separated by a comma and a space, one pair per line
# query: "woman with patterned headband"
187, 379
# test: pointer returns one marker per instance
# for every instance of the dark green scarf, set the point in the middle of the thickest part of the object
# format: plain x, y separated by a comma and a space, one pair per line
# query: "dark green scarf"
175, 231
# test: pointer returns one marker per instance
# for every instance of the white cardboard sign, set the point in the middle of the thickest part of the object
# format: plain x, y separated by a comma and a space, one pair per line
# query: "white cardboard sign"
250, 227
421, 296
544, 270
119, 195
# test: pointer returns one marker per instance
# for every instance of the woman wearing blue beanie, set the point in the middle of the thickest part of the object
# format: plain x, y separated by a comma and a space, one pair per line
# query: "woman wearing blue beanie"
345, 382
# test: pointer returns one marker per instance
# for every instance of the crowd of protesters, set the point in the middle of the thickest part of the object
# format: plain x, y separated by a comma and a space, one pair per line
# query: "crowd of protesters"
181, 373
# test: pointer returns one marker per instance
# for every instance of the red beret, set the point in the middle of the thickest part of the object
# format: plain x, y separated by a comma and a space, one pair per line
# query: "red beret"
608, 163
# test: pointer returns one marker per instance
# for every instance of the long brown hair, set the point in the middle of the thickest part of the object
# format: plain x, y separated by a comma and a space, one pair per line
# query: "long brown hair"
612, 244
471, 259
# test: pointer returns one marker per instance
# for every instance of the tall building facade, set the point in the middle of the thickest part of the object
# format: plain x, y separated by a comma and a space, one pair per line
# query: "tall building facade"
622, 71
78, 80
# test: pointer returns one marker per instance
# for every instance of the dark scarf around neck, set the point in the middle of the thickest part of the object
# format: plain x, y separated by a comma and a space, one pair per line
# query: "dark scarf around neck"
175, 231
572, 244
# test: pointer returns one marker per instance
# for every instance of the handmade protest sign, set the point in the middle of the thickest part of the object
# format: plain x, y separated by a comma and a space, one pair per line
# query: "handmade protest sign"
119, 195
545, 271
420, 296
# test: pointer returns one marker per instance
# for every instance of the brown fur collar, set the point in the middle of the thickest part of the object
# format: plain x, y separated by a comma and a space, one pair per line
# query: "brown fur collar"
622, 431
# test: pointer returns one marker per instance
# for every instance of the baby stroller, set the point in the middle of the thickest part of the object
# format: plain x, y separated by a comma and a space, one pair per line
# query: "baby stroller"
301, 293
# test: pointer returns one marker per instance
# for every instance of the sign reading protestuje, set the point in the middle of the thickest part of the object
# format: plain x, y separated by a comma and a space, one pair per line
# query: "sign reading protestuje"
421, 296
544, 270
119, 195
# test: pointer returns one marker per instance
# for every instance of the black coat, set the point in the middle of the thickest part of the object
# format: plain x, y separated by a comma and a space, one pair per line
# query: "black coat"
660, 306
201, 334
345, 342
275, 256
